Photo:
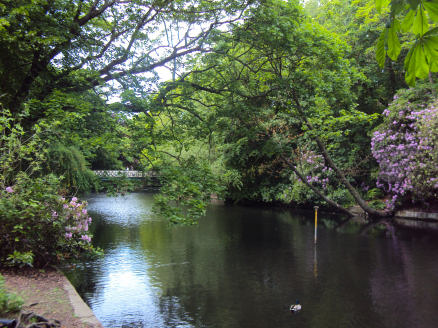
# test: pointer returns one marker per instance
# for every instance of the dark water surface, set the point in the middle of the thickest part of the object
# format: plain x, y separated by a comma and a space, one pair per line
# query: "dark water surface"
243, 267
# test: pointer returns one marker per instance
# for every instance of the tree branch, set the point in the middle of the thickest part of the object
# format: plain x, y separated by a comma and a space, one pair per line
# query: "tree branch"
338, 172
314, 189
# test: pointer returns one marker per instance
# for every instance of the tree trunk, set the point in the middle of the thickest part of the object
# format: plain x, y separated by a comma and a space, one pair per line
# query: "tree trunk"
315, 190
360, 201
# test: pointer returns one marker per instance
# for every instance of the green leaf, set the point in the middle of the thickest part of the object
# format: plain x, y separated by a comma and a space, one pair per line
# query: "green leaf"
394, 47
379, 5
431, 52
380, 48
432, 9
420, 25
407, 22
416, 64
410, 67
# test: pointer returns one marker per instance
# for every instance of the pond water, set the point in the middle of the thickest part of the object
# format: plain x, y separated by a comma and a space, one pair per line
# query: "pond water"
243, 267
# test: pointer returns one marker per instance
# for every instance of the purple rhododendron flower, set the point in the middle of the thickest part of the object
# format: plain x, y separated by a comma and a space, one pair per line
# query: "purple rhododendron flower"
86, 238
9, 190
404, 148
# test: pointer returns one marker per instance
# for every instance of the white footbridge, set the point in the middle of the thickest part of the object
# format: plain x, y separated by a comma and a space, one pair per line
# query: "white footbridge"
125, 174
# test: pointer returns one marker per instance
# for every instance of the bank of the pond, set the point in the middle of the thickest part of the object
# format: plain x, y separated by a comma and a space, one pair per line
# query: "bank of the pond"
415, 219
425, 219
51, 295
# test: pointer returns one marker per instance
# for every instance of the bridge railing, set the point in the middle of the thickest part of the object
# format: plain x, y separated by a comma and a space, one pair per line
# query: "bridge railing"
124, 173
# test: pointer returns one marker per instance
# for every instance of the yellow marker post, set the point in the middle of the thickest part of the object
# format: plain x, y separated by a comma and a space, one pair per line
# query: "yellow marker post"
316, 223
315, 263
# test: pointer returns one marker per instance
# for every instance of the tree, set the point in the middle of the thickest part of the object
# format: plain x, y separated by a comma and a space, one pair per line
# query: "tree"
77, 45
359, 24
276, 82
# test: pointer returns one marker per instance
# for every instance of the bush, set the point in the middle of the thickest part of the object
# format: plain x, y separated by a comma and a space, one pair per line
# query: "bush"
406, 145
377, 204
38, 226
374, 193
9, 302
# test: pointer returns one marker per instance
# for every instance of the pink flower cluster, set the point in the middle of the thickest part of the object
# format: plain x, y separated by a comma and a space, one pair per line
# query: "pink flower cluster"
77, 219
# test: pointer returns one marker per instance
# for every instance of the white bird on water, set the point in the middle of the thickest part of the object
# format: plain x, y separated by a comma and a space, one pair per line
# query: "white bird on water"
295, 307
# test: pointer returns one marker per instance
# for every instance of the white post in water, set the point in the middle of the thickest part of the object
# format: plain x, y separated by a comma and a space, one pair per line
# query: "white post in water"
316, 223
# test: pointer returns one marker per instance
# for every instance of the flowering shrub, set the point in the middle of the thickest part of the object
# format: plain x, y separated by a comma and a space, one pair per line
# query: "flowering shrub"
76, 219
316, 173
319, 173
38, 226
406, 146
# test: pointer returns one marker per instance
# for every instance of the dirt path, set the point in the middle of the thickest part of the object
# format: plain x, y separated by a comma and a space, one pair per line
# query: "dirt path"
50, 294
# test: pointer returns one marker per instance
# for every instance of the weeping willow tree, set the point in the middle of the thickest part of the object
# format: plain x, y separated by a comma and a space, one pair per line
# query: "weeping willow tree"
69, 163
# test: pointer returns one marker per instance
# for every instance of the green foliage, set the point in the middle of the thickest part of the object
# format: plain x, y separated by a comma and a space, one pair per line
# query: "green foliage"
374, 193
120, 185
19, 259
34, 218
70, 165
186, 191
276, 71
9, 302
360, 24
19, 150
377, 204
342, 196
298, 193
418, 17
58, 44
35, 152
83, 121
251, 101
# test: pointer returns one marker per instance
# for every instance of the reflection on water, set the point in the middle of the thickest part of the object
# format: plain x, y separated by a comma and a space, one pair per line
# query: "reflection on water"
243, 267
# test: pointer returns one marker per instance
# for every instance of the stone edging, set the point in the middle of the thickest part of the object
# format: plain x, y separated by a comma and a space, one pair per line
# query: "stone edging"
417, 215
81, 309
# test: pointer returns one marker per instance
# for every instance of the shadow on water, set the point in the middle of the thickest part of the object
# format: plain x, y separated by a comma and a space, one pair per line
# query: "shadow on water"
243, 267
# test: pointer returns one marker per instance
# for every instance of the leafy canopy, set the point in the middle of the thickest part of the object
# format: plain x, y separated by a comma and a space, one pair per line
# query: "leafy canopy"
419, 18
